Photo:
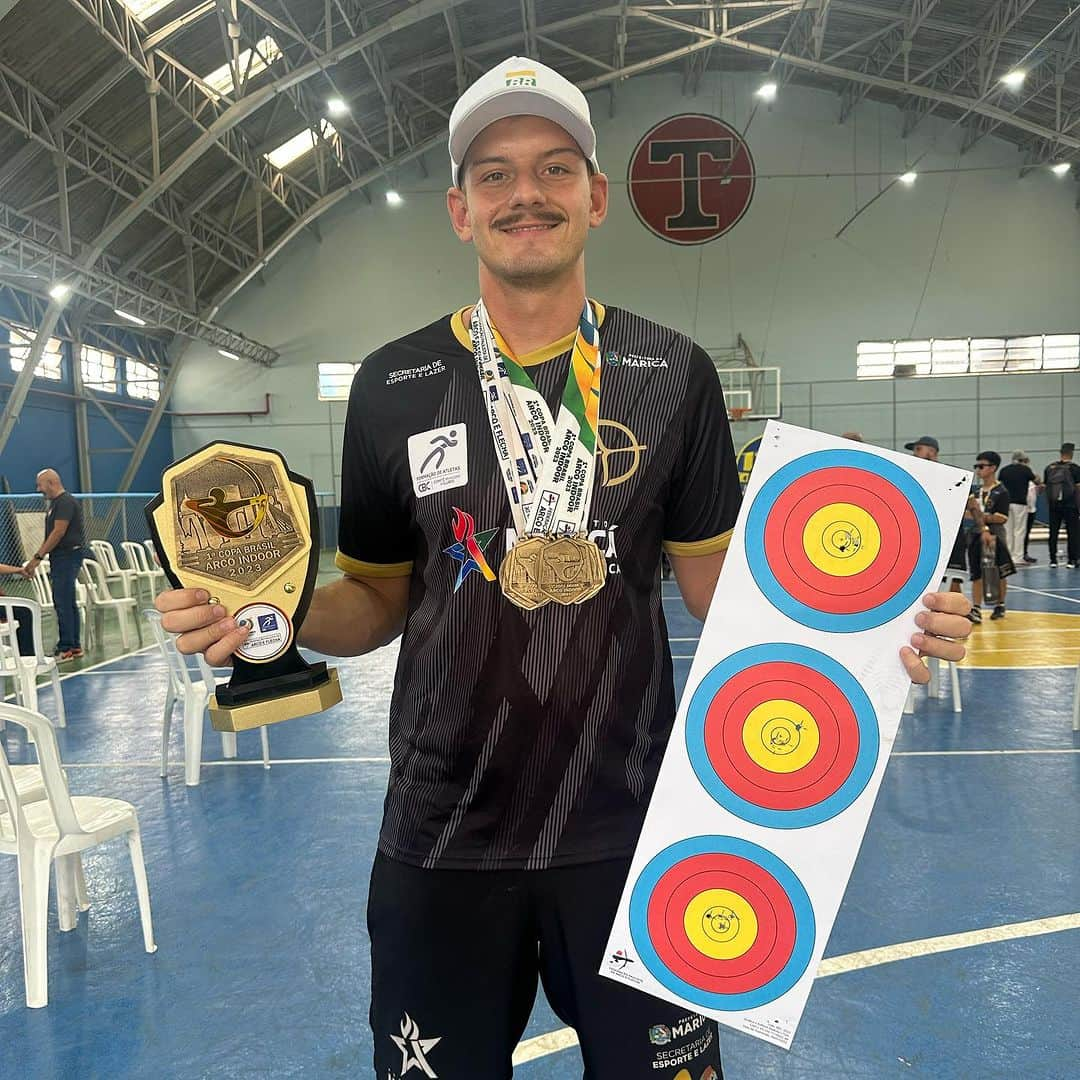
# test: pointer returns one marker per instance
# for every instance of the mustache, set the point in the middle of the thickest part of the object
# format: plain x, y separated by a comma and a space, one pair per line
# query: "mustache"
539, 218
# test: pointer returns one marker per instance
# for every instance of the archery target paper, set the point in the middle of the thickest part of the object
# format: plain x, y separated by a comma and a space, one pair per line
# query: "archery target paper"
784, 729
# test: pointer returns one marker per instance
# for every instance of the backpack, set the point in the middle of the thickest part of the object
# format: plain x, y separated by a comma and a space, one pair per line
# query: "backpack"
1060, 486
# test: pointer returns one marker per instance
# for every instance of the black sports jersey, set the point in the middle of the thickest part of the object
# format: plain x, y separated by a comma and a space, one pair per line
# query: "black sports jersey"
528, 739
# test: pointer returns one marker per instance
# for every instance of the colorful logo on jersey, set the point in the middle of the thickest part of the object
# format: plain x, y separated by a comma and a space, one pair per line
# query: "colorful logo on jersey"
691, 179
470, 548
747, 456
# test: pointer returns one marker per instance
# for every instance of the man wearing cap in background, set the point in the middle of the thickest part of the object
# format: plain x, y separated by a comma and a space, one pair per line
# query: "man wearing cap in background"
927, 448
534, 693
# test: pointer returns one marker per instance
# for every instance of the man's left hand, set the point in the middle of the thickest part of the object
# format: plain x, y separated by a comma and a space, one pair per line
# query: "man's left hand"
942, 629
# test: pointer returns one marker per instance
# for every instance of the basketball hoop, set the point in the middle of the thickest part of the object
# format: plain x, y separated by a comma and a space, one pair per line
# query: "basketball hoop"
737, 413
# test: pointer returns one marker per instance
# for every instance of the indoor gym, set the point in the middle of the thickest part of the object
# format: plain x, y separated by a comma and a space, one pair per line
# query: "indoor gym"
211, 213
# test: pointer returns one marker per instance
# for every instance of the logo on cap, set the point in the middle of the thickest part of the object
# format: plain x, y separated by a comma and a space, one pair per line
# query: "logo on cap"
521, 78
691, 179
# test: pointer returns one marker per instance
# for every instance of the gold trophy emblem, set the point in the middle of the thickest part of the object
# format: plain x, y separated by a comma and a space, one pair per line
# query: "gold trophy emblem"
234, 520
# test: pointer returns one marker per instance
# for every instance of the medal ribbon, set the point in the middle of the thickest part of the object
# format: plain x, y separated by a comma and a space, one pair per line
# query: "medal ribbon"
547, 466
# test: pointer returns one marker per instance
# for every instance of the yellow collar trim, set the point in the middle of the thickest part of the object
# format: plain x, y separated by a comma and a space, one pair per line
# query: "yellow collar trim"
537, 356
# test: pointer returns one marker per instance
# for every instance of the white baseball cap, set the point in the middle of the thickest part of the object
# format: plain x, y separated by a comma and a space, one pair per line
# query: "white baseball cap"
519, 87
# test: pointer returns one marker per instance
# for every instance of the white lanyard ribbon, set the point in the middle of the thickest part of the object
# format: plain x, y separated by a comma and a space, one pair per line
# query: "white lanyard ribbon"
547, 467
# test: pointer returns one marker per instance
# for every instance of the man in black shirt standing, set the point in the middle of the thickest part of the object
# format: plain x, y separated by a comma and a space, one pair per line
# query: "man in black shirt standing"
1016, 476
1062, 479
63, 544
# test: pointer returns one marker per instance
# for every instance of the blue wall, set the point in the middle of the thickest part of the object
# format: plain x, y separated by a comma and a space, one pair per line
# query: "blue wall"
44, 436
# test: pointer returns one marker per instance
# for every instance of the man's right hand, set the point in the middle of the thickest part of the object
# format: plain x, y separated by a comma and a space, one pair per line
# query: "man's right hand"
203, 627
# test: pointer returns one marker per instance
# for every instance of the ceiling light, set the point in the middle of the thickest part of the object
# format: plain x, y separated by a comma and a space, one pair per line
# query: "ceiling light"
1061, 168
908, 178
336, 106
60, 291
1014, 79
767, 91
130, 318
393, 198
228, 355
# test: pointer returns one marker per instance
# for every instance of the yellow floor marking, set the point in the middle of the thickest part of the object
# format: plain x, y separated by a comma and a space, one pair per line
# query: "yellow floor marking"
564, 1038
1025, 639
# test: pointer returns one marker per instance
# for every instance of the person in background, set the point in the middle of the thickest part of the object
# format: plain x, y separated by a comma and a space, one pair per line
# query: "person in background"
854, 436
63, 544
928, 449
24, 631
1032, 508
1016, 477
994, 500
1062, 480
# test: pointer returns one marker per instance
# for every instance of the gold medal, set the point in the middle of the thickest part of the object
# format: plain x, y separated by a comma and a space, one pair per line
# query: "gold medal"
519, 573
571, 570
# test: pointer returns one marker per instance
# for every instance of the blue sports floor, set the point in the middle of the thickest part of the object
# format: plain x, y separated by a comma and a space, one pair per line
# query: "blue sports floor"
259, 879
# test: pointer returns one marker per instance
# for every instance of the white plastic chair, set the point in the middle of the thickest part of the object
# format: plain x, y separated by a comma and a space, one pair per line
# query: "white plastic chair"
937, 686
105, 554
44, 595
92, 575
151, 551
194, 694
57, 829
30, 788
139, 562
210, 682
25, 670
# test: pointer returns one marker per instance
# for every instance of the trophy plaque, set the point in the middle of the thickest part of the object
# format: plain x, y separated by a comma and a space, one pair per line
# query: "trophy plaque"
234, 520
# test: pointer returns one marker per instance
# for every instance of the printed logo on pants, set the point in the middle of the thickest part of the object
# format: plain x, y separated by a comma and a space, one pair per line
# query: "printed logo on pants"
414, 1048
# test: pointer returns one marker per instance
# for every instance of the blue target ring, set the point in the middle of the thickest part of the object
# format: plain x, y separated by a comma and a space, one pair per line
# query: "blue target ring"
844, 792
920, 578
721, 847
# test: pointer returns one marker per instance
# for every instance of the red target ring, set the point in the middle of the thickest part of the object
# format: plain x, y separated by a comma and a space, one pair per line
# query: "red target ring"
806, 583
838, 731
772, 949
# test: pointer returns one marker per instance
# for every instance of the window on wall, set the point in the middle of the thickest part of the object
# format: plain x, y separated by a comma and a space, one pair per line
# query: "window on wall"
98, 370
143, 380
335, 381
967, 356
50, 366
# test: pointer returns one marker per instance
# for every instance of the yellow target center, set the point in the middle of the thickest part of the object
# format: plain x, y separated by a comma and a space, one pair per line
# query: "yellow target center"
720, 924
780, 736
841, 539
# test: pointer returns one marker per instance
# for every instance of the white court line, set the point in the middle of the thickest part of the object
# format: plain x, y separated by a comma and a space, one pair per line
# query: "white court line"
94, 667
563, 1039
386, 761
1042, 592
233, 762
157, 670
983, 753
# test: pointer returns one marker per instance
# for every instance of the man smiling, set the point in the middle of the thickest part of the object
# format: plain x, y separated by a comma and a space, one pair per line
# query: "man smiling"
534, 694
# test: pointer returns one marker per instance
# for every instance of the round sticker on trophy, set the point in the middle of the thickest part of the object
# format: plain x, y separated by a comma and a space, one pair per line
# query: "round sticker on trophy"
270, 634
691, 178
